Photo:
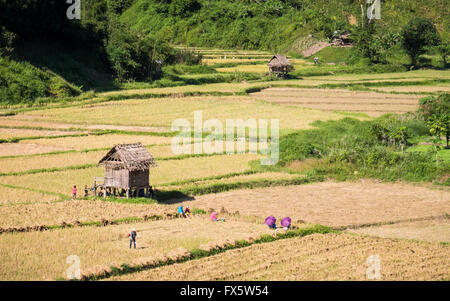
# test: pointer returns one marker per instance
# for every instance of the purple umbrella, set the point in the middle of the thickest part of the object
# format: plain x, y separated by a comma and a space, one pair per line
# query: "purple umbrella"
270, 221
286, 222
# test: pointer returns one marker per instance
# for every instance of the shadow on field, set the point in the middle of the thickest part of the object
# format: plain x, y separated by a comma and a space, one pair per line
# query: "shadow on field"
171, 197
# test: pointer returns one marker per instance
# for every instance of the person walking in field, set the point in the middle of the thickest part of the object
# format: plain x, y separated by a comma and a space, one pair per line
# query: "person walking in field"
86, 191
132, 237
74, 191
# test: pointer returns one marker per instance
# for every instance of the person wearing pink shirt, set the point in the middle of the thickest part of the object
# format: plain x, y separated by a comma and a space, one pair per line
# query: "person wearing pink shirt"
213, 216
74, 191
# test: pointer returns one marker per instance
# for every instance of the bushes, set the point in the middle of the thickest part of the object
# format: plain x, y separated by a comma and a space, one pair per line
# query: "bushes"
21, 82
352, 149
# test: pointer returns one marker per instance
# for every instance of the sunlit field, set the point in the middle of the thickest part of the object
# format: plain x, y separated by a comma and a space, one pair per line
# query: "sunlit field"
70, 211
94, 141
165, 111
316, 257
42, 255
406, 223
13, 196
167, 171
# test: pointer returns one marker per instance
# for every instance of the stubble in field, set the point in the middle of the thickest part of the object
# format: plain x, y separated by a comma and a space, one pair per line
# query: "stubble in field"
437, 230
314, 257
335, 204
42, 255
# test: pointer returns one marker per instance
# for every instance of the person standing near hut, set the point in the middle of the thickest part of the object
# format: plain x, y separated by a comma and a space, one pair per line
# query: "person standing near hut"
86, 191
74, 192
133, 236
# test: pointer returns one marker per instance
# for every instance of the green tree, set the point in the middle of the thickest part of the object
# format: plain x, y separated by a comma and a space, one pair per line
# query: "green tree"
436, 112
417, 35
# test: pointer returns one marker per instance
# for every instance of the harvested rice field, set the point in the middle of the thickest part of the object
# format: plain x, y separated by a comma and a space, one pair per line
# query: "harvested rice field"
234, 179
437, 230
373, 104
314, 257
14, 196
55, 213
18, 149
335, 204
41, 224
61, 160
94, 141
428, 89
166, 110
20, 133
42, 255
190, 168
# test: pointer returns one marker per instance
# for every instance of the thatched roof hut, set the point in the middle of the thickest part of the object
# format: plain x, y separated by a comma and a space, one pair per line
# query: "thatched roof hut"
127, 167
132, 157
280, 64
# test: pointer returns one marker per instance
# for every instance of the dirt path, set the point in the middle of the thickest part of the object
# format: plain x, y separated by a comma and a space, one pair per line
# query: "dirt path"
315, 48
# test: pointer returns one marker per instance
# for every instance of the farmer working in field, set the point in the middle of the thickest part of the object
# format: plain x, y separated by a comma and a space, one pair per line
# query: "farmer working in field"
180, 211
187, 212
74, 191
86, 191
132, 236
213, 216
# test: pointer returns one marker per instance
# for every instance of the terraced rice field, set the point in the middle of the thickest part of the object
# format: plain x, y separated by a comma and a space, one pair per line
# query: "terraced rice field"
61, 160
62, 181
16, 149
94, 141
383, 218
371, 103
15, 133
15, 196
234, 179
334, 204
165, 111
55, 213
42, 255
314, 257
437, 230
419, 89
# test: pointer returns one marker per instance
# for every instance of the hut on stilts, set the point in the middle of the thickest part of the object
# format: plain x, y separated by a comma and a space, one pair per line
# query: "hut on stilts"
280, 65
127, 169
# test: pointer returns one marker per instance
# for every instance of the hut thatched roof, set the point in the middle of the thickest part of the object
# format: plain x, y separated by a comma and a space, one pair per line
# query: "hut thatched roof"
130, 156
278, 60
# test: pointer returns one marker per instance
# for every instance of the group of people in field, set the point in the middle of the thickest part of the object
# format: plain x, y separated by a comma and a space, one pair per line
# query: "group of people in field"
86, 192
271, 222
186, 212
74, 191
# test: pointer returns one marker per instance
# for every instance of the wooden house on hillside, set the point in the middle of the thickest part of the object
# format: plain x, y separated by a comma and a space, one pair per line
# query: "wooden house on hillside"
279, 64
127, 169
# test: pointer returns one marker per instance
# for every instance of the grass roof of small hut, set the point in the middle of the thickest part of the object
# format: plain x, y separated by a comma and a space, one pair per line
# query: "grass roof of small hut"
278, 60
133, 157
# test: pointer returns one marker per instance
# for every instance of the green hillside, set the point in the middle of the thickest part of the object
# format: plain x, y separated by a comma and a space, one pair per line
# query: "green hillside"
47, 56
273, 25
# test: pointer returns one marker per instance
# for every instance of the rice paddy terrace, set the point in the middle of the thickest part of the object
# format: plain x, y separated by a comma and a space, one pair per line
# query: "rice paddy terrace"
47, 149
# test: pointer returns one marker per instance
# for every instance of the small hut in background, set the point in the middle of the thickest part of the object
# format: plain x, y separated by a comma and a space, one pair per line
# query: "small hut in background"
279, 64
127, 170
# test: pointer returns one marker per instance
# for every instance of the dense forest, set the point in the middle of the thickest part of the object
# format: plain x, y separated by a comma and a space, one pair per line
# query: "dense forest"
44, 54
